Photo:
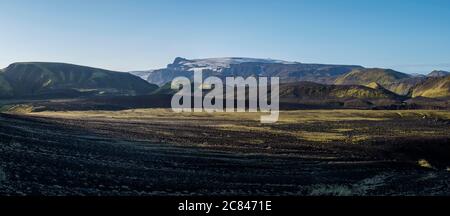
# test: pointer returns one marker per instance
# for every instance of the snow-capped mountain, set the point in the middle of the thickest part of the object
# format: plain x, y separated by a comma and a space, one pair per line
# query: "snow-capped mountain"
245, 67
213, 64
218, 64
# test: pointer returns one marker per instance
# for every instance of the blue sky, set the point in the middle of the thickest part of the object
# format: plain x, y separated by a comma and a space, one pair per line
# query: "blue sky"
407, 35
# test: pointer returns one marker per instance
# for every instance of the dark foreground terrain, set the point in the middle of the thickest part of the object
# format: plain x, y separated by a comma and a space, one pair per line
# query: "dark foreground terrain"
157, 153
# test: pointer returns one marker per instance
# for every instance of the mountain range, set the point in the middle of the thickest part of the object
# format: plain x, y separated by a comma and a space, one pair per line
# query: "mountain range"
290, 72
235, 66
438, 73
302, 85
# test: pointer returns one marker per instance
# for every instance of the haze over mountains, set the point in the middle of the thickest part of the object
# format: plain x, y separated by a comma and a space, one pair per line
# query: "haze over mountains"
312, 85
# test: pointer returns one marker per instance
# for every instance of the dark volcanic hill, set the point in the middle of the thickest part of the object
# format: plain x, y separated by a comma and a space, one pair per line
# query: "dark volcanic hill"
223, 67
60, 79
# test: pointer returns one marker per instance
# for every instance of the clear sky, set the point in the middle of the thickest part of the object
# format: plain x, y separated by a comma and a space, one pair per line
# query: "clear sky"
407, 35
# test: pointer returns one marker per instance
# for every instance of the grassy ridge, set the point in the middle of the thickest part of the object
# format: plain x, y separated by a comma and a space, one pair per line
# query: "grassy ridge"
387, 78
319, 91
433, 87
34, 78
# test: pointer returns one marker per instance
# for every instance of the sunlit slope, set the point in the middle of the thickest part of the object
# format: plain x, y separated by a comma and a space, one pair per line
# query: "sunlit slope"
438, 87
394, 81
319, 91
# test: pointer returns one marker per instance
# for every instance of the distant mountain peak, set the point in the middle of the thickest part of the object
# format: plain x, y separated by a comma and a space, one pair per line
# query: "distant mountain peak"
438, 73
178, 60
222, 67
218, 64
